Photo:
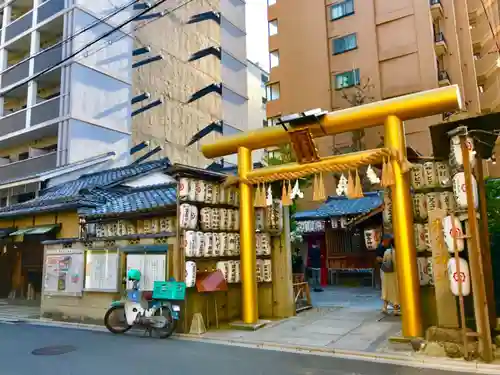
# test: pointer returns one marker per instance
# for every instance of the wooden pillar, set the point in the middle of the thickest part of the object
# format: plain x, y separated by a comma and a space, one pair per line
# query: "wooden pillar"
484, 239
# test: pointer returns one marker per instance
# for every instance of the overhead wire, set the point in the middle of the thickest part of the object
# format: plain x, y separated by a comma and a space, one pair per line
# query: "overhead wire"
103, 36
97, 22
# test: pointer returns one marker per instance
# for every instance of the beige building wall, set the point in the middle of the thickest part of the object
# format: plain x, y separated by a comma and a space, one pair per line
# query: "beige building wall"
402, 47
174, 79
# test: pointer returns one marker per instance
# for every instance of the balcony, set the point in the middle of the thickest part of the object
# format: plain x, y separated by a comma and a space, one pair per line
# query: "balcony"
436, 9
486, 66
443, 78
481, 33
28, 167
22, 24
40, 113
490, 99
440, 46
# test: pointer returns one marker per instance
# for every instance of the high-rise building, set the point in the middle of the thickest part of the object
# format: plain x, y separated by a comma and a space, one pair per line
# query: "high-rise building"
175, 75
196, 73
344, 53
76, 112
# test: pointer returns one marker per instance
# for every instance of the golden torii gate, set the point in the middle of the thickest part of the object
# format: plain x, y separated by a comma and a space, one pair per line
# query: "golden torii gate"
391, 113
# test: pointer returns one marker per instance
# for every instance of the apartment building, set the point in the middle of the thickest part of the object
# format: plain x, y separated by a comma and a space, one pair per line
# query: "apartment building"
338, 54
177, 74
192, 81
76, 114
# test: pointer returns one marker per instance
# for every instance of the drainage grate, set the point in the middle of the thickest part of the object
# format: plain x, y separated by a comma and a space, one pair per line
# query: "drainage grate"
54, 350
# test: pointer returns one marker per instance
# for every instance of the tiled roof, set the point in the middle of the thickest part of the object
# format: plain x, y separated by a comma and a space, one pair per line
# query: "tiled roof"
231, 169
137, 200
85, 191
342, 206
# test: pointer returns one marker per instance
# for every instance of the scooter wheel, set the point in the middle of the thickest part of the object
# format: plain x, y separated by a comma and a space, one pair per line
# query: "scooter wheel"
109, 316
169, 329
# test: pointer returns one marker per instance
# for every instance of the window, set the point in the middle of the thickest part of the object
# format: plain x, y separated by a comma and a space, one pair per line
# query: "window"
263, 80
274, 59
347, 79
344, 44
273, 27
273, 91
271, 2
343, 9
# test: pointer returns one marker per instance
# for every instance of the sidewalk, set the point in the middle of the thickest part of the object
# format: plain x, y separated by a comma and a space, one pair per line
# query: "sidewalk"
343, 318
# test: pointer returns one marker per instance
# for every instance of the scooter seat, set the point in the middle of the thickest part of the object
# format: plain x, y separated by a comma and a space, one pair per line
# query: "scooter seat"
147, 296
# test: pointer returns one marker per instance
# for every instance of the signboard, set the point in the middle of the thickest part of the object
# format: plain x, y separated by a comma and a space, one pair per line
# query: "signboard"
153, 268
310, 226
63, 270
101, 271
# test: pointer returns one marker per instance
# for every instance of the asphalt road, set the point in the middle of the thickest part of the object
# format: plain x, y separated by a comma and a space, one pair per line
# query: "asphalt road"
103, 353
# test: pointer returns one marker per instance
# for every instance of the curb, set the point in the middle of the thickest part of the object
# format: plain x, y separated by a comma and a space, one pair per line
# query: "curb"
412, 360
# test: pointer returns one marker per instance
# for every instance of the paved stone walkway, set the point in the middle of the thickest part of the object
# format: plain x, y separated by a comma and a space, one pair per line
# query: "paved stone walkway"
342, 318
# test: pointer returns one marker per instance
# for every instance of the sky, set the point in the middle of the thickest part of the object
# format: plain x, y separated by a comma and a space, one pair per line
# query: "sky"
256, 25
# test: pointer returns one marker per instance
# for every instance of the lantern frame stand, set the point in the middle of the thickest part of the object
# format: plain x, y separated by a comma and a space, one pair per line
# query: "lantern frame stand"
477, 235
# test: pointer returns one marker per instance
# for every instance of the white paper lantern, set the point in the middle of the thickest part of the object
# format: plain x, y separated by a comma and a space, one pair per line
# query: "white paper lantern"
231, 244
460, 193
447, 201
430, 175
184, 211
259, 267
237, 244
215, 194
449, 234
184, 189
370, 239
192, 190
430, 271
432, 201
200, 244
206, 218
209, 192
216, 219
427, 236
420, 206
223, 243
266, 243
267, 272
417, 176
235, 214
217, 245
456, 278
189, 243
223, 266
260, 219
422, 266
419, 233
443, 174
208, 244
200, 191
456, 158
193, 217
190, 278
224, 224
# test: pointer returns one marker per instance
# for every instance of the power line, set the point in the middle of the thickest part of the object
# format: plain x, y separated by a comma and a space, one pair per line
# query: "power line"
87, 28
105, 35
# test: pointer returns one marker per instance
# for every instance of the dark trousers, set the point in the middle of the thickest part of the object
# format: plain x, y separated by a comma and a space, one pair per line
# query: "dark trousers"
315, 278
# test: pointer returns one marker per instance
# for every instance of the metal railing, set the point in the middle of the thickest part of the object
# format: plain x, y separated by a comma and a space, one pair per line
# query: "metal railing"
28, 167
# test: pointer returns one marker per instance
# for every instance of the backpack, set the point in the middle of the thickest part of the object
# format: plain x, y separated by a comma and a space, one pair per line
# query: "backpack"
387, 266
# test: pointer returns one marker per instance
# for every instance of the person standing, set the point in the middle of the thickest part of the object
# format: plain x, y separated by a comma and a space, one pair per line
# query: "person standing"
390, 288
379, 254
315, 265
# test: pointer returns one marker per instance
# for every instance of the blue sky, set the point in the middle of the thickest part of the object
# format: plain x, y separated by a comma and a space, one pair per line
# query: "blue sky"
256, 25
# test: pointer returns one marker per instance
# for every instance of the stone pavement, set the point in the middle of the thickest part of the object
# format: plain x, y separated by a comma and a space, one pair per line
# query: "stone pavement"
342, 318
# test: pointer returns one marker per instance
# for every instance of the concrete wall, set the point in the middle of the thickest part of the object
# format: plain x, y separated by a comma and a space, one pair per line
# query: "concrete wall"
174, 79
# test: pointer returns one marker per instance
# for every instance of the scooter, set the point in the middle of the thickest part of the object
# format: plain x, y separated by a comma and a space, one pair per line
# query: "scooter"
152, 311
